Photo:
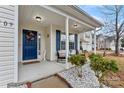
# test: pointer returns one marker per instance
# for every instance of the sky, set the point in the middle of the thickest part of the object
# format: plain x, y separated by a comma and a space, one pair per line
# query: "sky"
96, 12
93, 10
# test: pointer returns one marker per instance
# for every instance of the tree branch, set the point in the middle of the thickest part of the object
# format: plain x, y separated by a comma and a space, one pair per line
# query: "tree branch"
121, 32
120, 27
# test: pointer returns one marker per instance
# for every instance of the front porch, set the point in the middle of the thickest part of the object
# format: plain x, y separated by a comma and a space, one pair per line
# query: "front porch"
32, 72
40, 39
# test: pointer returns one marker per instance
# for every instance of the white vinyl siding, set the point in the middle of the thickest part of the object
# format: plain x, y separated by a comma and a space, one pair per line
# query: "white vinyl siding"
7, 33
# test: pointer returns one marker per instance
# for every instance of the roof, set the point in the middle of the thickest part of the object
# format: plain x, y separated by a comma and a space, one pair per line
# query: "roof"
110, 38
79, 14
85, 13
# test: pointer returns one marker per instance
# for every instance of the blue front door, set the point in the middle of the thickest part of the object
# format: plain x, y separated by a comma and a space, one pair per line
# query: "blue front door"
29, 45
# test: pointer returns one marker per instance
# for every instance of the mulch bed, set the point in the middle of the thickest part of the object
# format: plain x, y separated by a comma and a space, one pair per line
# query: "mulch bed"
115, 80
113, 54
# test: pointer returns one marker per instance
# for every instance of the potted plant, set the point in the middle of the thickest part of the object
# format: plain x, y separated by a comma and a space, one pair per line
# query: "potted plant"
78, 60
102, 66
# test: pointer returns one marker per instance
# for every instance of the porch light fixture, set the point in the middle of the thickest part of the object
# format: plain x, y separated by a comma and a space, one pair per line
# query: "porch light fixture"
38, 18
75, 25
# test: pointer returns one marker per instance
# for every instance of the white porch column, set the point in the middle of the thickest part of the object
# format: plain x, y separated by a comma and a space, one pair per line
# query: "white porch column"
95, 41
51, 47
67, 40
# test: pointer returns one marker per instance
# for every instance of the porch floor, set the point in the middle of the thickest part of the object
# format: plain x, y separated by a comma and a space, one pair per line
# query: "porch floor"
34, 71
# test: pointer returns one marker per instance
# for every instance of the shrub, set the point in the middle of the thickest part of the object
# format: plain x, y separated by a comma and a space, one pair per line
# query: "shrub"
102, 66
85, 51
94, 57
111, 66
109, 49
78, 60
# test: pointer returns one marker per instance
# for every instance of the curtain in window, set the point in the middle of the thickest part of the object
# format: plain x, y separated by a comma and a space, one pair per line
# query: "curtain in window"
58, 38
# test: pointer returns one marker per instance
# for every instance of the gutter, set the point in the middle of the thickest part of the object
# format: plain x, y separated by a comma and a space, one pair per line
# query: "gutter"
100, 28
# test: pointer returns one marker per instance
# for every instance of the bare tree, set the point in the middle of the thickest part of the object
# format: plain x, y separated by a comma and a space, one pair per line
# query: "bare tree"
114, 22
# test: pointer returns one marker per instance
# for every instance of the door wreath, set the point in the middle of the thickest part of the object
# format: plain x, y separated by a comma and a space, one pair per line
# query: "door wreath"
30, 36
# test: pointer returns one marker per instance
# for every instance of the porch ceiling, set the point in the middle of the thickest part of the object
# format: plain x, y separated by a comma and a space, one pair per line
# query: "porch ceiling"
28, 12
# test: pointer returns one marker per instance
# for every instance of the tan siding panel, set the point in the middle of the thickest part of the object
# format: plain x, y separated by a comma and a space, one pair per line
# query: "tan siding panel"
7, 30
6, 67
6, 39
6, 10
2, 14
5, 82
7, 72
6, 58
3, 86
6, 44
5, 77
8, 7
2, 49
5, 63
6, 18
2, 34
7, 15
6, 53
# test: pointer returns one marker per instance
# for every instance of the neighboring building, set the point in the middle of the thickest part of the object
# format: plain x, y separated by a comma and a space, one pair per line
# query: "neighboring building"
100, 41
29, 33
107, 42
86, 41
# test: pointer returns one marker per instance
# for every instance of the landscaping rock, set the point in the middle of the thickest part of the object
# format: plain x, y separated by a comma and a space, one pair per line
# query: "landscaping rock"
88, 79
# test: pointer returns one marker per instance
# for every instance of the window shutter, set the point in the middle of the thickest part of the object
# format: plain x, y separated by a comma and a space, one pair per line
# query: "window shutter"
58, 39
76, 42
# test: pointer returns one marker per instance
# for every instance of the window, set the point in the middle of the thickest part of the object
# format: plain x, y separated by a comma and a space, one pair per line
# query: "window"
63, 45
71, 41
63, 41
39, 44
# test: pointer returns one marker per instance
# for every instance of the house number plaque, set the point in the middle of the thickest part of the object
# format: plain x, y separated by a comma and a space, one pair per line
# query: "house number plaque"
5, 23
